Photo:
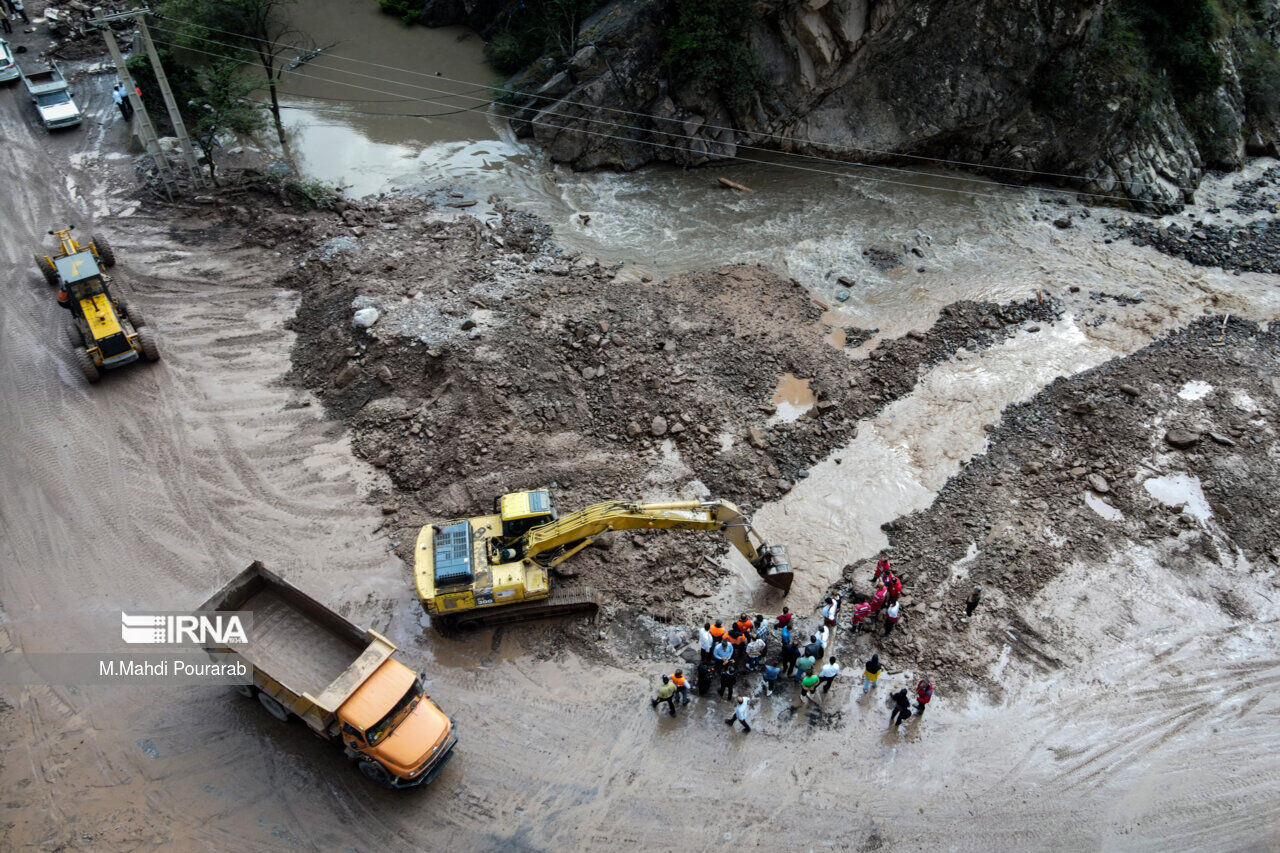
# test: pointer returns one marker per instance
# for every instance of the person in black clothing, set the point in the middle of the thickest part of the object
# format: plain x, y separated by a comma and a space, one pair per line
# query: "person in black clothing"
4, 22
728, 678
790, 654
971, 603
814, 649
706, 671
901, 707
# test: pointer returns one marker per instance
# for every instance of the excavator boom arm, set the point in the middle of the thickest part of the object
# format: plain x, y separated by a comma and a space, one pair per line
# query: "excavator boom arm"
550, 543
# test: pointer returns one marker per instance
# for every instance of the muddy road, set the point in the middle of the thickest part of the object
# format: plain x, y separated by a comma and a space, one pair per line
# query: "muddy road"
152, 488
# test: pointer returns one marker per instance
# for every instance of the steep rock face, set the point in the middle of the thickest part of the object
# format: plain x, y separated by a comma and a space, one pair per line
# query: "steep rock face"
1017, 88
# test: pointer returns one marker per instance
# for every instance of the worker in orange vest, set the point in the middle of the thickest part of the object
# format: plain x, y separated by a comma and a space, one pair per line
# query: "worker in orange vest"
682, 686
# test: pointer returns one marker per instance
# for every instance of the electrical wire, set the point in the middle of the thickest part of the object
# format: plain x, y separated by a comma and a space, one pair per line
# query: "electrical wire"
776, 136
633, 140
615, 125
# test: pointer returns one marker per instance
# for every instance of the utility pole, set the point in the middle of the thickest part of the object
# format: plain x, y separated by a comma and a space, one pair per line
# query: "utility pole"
175, 117
146, 130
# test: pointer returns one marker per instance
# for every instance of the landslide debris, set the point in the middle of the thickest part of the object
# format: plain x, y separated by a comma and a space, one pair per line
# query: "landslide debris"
1202, 403
474, 357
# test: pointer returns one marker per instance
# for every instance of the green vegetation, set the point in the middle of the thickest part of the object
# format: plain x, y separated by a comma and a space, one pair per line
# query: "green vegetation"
1178, 34
1154, 49
1259, 74
709, 46
244, 31
534, 28
213, 98
406, 10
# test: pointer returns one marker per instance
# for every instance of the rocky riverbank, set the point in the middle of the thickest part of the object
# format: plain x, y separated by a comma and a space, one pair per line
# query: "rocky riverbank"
1135, 99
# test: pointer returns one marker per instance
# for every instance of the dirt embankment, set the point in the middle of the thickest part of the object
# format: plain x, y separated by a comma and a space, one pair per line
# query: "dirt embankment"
1171, 447
472, 358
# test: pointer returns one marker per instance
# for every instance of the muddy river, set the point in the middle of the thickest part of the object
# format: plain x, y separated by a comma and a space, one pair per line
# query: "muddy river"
945, 236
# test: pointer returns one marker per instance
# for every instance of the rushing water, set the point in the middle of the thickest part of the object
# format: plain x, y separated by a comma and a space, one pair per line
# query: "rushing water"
384, 124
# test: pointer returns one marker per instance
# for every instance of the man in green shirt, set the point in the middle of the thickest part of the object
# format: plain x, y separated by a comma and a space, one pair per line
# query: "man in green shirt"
666, 693
804, 665
808, 684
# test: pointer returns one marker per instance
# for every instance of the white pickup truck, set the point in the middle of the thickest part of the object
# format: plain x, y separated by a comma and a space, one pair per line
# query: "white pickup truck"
49, 92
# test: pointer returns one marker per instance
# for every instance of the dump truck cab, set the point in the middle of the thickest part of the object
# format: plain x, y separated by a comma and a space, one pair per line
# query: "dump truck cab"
390, 720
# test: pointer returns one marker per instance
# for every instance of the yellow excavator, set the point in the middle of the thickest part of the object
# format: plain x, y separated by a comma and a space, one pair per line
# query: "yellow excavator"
493, 569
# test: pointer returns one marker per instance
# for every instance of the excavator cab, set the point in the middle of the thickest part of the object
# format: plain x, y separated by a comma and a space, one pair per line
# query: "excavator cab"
521, 511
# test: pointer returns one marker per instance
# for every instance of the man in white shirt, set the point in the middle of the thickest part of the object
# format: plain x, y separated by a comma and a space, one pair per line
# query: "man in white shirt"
706, 642
824, 638
828, 674
831, 611
740, 715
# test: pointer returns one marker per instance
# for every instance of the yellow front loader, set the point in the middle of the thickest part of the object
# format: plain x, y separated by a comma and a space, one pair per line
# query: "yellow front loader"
493, 569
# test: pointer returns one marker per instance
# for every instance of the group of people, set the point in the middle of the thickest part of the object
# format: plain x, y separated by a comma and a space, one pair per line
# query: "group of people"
728, 651
882, 603
120, 94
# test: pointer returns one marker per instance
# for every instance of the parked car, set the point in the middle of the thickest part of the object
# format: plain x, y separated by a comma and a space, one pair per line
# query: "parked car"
8, 65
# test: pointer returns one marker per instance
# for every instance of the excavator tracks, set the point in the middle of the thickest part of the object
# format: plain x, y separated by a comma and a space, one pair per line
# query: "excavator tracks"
559, 603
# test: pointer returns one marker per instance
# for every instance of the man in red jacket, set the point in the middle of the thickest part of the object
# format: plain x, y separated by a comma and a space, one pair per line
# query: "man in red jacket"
924, 692
882, 569
862, 612
878, 600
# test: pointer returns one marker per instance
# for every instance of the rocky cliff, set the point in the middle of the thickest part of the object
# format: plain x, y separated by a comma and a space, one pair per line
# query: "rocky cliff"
1135, 99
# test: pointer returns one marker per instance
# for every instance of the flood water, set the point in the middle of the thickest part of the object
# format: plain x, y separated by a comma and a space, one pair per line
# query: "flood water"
389, 107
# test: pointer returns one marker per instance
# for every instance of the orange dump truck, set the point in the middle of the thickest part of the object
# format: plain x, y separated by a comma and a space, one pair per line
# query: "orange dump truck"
309, 662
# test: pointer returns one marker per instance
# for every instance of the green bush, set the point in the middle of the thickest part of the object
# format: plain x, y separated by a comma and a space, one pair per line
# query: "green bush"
709, 46
406, 10
534, 28
1177, 34
1259, 75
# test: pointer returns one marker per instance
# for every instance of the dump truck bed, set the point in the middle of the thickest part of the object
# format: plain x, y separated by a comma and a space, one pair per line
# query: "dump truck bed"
298, 644
296, 649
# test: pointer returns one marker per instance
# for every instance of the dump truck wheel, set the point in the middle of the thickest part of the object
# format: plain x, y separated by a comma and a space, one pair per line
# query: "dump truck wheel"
74, 337
105, 253
136, 317
274, 708
47, 270
375, 771
122, 302
150, 349
245, 690
87, 367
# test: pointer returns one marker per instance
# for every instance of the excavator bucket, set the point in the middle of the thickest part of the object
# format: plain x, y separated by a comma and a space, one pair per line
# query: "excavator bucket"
775, 567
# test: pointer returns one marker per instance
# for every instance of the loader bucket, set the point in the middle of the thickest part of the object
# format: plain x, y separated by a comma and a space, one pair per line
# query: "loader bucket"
775, 568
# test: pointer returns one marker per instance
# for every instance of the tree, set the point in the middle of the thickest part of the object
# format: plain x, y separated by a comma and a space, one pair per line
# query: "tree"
238, 30
223, 105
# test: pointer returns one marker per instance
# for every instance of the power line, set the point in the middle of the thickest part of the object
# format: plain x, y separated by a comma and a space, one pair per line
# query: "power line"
776, 136
638, 129
843, 174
